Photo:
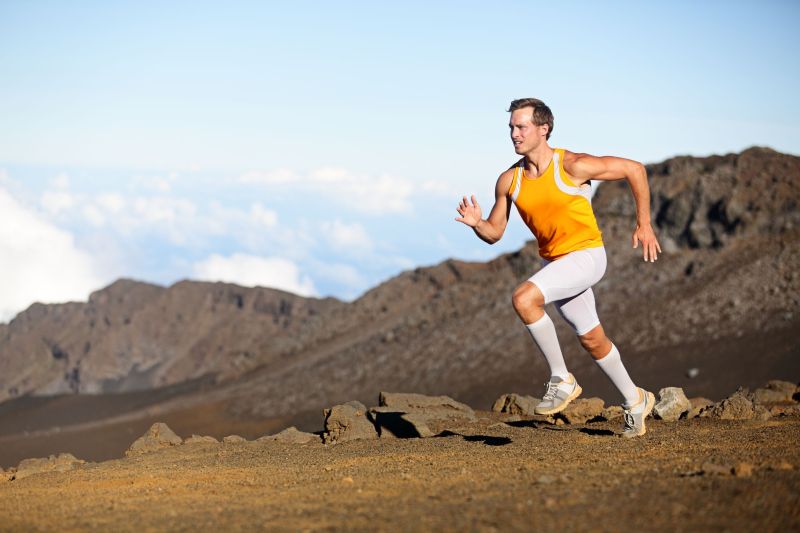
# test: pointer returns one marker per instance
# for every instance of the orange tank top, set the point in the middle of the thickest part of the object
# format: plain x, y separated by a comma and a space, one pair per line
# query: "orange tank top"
557, 212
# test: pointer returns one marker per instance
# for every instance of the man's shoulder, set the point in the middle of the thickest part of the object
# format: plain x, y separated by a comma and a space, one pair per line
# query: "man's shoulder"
571, 157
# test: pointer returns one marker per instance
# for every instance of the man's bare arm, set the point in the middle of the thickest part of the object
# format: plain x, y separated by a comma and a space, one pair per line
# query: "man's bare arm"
492, 228
585, 167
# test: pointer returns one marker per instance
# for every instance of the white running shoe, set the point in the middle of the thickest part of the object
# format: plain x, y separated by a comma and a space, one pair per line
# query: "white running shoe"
636, 414
558, 395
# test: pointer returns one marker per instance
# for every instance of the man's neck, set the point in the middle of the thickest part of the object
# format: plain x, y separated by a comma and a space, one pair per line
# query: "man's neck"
537, 160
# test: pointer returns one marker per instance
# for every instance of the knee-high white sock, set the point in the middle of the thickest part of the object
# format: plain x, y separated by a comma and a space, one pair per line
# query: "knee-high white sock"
544, 335
612, 365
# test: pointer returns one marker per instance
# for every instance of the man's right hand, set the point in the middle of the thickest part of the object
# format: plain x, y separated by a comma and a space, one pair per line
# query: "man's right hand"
470, 214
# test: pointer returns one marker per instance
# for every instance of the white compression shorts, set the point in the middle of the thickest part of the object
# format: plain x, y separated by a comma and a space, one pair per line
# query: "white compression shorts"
567, 283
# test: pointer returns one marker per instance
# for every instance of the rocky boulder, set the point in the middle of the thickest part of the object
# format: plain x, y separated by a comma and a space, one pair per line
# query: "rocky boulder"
158, 437
416, 415
347, 422
611, 412
291, 435
735, 407
516, 404
775, 391
60, 463
672, 404
698, 405
581, 411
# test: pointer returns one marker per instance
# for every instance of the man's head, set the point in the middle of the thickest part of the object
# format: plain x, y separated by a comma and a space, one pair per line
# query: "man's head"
540, 114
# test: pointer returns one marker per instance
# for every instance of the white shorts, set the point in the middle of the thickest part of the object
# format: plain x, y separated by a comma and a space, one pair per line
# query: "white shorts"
567, 283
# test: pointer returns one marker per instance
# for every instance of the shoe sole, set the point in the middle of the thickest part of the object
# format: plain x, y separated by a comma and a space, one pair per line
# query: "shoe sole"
651, 401
577, 392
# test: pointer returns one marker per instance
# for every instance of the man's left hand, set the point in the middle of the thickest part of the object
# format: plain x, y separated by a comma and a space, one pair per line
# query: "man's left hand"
650, 246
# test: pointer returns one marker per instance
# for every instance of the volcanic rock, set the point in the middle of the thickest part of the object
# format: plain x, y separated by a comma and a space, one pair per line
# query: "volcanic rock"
698, 404
158, 437
736, 407
347, 422
611, 412
516, 404
743, 470
672, 404
776, 391
60, 463
581, 411
784, 410
291, 435
407, 402
416, 415
197, 439
715, 469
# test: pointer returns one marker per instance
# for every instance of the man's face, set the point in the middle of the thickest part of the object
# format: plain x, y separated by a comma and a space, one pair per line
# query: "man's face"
525, 135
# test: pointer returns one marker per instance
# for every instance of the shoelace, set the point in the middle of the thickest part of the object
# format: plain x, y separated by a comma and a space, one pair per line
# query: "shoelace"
630, 423
552, 389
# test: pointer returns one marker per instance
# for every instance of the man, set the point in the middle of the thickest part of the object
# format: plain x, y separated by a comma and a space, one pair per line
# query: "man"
550, 187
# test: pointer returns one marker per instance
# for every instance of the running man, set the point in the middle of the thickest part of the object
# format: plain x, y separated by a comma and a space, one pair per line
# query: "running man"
550, 187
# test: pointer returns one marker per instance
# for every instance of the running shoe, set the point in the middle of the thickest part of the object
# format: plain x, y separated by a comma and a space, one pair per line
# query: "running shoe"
635, 415
558, 395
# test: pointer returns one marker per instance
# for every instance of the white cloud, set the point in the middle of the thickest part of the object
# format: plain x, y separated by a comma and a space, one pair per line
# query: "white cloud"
252, 271
156, 183
56, 201
111, 202
61, 181
276, 177
343, 235
263, 216
439, 188
94, 216
374, 195
40, 262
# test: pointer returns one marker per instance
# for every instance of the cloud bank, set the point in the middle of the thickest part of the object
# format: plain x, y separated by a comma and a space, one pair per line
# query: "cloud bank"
40, 262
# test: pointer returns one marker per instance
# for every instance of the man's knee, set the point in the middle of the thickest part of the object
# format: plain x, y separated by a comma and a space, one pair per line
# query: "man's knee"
527, 296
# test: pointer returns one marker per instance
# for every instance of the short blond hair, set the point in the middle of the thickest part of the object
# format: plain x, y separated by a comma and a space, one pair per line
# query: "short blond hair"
541, 113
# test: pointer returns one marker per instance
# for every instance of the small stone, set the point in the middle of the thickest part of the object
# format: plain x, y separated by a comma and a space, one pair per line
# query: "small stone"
233, 439
348, 480
348, 422
713, 469
775, 391
743, 470
698, 405
516, 404
760, 412
292, 435
783, 465
736, 407
672, 404
581, 410
784, 410
692, 373
158, 437
54, 463
612, 411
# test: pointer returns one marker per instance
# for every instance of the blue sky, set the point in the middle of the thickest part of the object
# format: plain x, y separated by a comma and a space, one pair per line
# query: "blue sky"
322, 147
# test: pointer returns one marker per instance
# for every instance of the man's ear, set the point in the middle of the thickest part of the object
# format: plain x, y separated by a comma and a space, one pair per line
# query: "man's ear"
545, 129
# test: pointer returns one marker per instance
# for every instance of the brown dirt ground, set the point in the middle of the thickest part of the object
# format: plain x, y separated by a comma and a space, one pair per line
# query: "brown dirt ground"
483, 477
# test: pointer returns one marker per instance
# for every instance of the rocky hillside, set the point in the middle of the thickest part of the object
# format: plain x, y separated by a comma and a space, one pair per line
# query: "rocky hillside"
723, 299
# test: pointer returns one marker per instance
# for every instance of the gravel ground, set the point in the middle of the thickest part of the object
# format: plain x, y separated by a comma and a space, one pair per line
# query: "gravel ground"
492, 475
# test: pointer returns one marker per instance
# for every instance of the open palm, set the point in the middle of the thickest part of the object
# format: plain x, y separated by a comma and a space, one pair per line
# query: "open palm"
470, 213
